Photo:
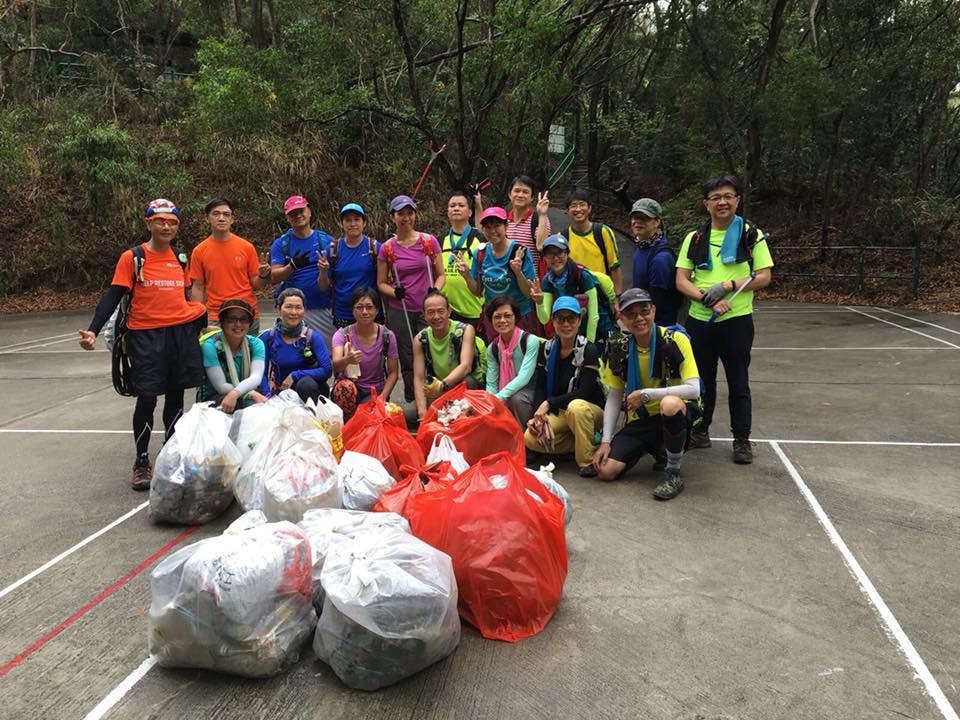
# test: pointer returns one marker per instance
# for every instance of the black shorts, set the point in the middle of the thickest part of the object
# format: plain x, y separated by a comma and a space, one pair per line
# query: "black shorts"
164, 359
642, 436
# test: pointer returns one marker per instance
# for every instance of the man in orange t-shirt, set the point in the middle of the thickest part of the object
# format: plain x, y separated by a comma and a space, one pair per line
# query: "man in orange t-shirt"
226, 266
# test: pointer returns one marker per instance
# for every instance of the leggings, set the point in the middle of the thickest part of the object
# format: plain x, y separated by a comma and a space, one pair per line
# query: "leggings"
143, 417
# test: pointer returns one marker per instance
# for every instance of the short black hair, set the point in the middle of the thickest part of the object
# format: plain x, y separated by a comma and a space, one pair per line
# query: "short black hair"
577, 194
495, 303
721, 181
463, 194
524, 180
364, 292
217, 201
291, 292
432, 293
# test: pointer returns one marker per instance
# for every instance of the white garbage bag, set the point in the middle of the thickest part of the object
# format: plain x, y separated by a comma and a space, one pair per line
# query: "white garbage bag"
545, 476
254, 423
303, 477
443, 448
390, 610
195, 470
237, 603
363, 479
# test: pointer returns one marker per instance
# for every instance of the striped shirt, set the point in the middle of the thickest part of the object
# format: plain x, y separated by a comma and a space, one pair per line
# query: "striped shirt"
519, 232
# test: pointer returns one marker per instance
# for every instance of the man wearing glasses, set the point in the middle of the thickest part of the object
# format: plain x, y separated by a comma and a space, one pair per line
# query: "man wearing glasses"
652, 375
225, 266
714, 261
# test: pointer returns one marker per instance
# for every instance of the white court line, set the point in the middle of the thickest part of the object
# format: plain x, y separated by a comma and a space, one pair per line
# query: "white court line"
917, 332
66, 553
895, 347
13, 431
36, 340
116, 695
890, 443
894, 630
34, 347
909, 317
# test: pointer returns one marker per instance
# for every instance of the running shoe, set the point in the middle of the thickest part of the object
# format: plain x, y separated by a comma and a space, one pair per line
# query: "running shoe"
142, 474
742, 451
670, 485
699, 439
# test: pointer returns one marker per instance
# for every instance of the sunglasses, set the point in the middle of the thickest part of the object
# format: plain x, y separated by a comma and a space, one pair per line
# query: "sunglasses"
165, 222
566, 318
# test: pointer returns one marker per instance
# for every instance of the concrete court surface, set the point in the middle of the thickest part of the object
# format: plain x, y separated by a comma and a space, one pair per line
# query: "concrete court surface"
819, 582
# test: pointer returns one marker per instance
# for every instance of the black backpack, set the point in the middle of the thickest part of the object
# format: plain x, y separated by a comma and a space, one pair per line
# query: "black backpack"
597, 230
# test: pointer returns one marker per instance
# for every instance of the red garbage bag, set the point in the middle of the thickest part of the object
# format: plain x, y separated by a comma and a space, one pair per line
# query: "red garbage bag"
504, 531
487, 428
415, 481
372, 431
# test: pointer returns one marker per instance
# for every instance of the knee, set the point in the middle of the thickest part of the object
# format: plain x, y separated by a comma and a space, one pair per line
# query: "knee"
607, 472
576, 407
671, 405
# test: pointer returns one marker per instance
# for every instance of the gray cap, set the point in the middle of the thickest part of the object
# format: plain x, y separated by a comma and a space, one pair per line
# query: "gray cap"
647, 206
558, 241
634, 296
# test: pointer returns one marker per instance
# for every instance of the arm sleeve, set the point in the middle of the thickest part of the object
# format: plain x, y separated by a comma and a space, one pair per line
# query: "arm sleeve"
108, 303
611, 412
525, 373
493, 371
252, 381
593, 314
589, 377
688, 390
217, 379
543, 309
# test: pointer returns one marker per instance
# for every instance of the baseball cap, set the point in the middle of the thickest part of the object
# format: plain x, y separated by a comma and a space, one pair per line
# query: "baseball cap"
558, 241
498, 213
634, 296
352, 207
565, 303
294, 202
402, 201
647, 206
235, 303
162, 206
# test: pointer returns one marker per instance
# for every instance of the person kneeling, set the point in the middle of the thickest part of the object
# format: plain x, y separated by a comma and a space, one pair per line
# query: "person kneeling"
659, 393
571, 413
445, 354
296, 355
511, 359
233, 360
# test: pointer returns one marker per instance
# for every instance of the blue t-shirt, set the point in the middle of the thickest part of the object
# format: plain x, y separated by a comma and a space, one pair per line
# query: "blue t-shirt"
498, 278
289, 359
587, 281
654, 267
306, 277
352, 269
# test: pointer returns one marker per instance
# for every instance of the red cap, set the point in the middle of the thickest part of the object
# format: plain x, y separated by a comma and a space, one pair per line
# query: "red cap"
294, 202
493, 212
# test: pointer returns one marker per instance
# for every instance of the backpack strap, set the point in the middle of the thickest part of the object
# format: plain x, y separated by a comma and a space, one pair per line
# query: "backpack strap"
372, 249
425, 349
601, 245
534, 221
139, 258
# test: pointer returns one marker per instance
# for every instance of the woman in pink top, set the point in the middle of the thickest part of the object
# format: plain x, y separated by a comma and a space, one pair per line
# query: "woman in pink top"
407, 266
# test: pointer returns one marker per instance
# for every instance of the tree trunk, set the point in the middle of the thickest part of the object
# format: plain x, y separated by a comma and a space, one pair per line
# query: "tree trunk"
256, 24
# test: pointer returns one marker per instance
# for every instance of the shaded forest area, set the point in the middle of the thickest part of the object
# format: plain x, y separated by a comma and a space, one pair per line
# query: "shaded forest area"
841, 116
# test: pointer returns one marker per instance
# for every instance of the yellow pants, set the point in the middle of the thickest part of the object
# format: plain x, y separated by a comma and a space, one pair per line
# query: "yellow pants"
573, 431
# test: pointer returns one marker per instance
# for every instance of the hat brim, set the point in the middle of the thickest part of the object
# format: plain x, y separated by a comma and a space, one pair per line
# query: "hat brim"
168, 216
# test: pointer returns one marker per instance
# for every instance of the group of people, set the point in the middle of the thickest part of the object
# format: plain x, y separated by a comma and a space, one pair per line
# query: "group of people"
539, 319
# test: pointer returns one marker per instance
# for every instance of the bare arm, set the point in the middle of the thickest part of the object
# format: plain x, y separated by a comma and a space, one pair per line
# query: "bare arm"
439, 276
198, 292
685, 284
385, 288
616, 276
467, 350
393, 372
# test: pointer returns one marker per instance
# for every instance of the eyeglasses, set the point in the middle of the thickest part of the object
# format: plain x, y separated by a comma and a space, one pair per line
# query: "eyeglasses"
729, 197
365, 308
578, 206
500, 317
165, 222
242, 319
565, 319
636, 311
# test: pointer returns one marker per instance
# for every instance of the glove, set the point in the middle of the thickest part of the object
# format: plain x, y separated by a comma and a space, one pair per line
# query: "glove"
399, 292
433, 388
713, 295
300, 260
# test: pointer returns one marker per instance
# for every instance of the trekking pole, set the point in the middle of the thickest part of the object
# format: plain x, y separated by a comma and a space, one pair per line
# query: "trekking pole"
715, 314
434, 154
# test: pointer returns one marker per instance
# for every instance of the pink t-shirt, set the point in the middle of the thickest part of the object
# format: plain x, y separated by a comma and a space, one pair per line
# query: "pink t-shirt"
410, 269
371, 357
520, 232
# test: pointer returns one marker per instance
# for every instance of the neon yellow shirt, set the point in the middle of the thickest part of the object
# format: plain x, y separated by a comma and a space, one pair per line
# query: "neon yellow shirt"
455, 288
584, 250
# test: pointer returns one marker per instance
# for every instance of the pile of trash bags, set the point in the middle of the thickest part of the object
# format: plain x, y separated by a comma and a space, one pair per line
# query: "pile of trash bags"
478, 424
375, 432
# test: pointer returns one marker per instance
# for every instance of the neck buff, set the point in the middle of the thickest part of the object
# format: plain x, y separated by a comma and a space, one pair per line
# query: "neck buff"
294, 331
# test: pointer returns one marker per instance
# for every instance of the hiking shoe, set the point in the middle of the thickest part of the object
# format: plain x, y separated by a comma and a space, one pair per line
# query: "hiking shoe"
660, 461
670, 485
699, 439
742, 451
142, 474
588, 471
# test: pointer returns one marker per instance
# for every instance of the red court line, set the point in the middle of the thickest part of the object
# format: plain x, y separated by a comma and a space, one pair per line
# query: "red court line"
93, 602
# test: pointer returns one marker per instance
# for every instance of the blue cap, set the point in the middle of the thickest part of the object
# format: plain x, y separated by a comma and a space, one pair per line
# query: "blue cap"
557, 241
352, 207
565, 303
402, 201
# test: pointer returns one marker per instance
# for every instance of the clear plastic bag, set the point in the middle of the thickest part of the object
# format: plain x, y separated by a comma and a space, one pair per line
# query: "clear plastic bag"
254, 423
327, 526
195, 470
390, 610
443, 448
238, 603
303, 477
545, 476
363, 479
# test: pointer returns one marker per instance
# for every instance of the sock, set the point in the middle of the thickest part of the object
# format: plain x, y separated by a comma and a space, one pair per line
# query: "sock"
674, 432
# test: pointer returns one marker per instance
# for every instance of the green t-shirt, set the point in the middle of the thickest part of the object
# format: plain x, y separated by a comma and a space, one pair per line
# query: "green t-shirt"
455, 288
743, 303
444, 358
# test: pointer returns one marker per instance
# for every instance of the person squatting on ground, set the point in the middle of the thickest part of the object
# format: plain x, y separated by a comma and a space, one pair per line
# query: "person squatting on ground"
653, 376
511, 359
713, 262
364, 355
654, 264
162, 329
233, 360
349, 263
407, 267
458, 242
501, 267
296, 357
569, 398
225, 265
294, 258
591, 244
446, 353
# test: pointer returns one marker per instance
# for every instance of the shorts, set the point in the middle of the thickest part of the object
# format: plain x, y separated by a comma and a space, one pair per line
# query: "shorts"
636, 438
164, 359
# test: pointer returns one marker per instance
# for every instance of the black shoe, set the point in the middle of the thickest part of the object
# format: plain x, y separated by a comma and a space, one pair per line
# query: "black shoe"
699, 439
660, 461
588, 471
142, 474
742, 451
670, 485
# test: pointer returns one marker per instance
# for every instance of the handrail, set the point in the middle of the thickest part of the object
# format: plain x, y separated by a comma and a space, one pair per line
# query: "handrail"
566, 162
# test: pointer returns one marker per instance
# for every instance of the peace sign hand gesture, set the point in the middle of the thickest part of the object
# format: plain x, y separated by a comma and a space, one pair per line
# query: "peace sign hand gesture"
462, 265
263, 269
536, 293
543, 204
517, 263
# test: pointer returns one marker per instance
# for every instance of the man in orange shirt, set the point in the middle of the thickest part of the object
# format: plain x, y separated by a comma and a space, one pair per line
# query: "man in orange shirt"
225, 266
